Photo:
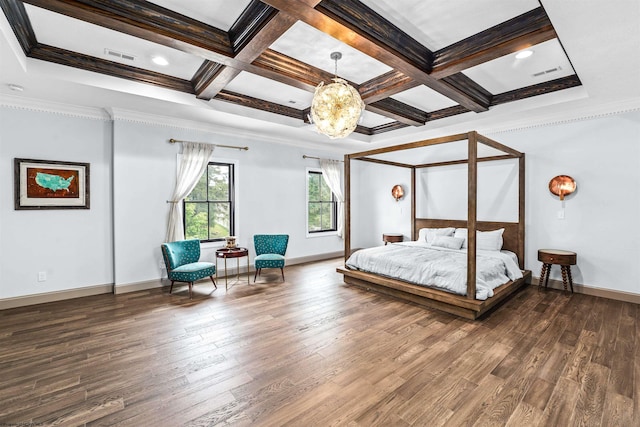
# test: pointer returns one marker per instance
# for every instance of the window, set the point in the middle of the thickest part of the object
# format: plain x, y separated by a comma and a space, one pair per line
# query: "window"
209, 209
322, 208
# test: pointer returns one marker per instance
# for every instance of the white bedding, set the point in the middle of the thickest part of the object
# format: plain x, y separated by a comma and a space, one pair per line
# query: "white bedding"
446, 269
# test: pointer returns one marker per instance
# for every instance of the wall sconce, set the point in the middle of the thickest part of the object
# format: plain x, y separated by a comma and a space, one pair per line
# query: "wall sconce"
562, 185
397, 192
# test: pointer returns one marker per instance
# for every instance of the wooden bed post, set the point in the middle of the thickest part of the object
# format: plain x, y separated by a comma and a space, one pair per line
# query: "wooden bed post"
413, 204
521, 209
347, 207
472, 199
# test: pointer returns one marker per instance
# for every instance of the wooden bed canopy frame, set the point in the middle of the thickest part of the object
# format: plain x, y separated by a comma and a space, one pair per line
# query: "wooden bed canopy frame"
464, 306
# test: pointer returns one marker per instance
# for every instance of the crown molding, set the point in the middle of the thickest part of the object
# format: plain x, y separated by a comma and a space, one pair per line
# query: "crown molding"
219, 130
590, 112
32, 104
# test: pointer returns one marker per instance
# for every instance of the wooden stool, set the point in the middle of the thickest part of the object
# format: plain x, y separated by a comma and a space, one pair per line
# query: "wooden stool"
565, 259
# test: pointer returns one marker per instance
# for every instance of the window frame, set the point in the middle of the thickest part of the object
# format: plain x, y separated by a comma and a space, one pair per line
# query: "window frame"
232, 191
334, 201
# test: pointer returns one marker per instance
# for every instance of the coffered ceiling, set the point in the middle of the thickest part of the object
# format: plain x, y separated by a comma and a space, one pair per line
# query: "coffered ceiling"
416, 63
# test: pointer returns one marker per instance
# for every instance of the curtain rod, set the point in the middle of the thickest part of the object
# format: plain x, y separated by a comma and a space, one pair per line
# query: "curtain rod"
235, 147
304, 156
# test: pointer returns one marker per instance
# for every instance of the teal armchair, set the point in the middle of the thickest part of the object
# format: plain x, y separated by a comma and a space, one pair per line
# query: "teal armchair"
183, 263
270, 250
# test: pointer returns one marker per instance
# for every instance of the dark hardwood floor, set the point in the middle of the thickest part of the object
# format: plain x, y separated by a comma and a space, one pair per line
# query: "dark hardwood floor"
315, 352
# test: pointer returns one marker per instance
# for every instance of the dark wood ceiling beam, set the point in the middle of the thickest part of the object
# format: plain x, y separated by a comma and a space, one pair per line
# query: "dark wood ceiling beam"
19, 20
465, 84
213, 76
205, 75
250, 23
512, 95
259, 104
361, 28
387, 127
537, 89
290, 71
148, 21
446, 112
365, 22
523, 31
255, 30
102, 66
399, 111
271, 107
386, 85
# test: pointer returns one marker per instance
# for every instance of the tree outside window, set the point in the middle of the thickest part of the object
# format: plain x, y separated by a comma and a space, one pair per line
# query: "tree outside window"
322, 209
209, 209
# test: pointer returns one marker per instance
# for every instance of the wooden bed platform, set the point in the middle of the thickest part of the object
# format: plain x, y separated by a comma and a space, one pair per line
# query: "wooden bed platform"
514, 232
459, 305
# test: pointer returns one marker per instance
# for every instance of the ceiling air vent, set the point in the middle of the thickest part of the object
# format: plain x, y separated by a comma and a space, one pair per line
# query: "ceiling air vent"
549, 71
125, 56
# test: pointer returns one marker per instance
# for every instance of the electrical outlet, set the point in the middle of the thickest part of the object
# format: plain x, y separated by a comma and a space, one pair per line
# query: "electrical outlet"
42, 276
561, 214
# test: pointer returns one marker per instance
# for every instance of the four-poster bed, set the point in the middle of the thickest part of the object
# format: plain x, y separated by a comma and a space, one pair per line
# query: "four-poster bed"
463, 305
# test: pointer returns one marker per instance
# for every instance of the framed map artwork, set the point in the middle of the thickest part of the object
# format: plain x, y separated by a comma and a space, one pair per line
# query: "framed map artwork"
48, 184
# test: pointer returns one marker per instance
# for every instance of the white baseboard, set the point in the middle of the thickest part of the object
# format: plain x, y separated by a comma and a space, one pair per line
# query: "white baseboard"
138, 286
592, 290
42, 298
231, 271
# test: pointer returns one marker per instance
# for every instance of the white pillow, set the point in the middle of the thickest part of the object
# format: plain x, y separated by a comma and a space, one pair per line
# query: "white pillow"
485, 240
448, 242
428, 234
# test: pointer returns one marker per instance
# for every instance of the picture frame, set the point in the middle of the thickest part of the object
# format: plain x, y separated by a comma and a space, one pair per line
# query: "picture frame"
50, 184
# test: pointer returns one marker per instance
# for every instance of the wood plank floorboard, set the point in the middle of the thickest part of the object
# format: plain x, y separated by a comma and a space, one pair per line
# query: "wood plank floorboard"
312, 351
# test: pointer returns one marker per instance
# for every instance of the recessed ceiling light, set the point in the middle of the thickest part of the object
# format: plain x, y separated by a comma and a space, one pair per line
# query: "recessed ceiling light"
524, 54
15, 88
160, 60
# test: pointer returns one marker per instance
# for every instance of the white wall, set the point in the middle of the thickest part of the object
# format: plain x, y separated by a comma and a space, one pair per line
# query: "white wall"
602, 155
271, 179
73, 247
133, 171
442, 191
373, 210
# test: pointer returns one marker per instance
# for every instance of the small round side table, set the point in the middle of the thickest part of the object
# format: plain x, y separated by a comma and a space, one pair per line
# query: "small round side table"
236, 253
565, 259
392, 238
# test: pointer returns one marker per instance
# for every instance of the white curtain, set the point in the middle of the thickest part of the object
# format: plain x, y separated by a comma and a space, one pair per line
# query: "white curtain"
194, 161
332, 173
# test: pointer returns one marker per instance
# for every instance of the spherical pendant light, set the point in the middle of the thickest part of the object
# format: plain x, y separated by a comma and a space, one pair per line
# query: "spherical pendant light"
337, 107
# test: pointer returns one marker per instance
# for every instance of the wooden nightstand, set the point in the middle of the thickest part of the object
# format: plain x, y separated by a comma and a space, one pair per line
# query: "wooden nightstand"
392, 238
565, 259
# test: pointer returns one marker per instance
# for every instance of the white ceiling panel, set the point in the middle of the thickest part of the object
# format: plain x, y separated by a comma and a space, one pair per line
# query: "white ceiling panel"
47, 28
548, 62
270, 90
371, 120
217, 13
437, 23
314, 47
424, 98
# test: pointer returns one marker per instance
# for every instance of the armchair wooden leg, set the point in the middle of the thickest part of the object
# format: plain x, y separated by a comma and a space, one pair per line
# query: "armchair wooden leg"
282, 272
214, 282
171, 288
190, 290
255, 276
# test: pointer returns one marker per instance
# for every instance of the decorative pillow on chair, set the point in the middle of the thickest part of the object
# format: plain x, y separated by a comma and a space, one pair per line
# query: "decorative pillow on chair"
428, 234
